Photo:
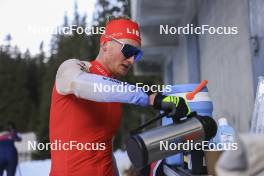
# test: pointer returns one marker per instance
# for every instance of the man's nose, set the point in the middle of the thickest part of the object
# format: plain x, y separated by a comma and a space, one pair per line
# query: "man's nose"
131, 60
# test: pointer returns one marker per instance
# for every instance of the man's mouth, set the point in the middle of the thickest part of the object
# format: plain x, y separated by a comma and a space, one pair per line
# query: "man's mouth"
125, 66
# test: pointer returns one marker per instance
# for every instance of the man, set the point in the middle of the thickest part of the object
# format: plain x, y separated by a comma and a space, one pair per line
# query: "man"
81, 113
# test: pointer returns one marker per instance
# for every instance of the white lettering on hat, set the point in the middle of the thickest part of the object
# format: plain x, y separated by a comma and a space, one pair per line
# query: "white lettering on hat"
133, 31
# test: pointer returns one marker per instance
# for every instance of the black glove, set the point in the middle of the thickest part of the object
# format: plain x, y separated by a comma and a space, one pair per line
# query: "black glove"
176, 107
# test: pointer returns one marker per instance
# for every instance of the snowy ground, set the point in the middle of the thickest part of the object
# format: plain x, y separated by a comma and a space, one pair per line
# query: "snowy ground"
42, 167
33, 168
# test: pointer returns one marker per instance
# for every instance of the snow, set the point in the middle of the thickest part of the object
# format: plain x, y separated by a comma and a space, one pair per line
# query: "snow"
33, 168
42, 167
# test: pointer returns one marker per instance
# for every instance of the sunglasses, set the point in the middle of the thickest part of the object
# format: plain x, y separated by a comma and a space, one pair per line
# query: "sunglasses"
128, 50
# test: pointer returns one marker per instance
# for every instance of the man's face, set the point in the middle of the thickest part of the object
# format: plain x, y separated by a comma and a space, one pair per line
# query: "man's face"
117, 63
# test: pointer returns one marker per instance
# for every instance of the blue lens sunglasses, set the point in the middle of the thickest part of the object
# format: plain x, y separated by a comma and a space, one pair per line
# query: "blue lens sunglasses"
128, 50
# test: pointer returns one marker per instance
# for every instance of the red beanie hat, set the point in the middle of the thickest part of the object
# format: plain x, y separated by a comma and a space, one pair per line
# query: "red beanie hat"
121, 29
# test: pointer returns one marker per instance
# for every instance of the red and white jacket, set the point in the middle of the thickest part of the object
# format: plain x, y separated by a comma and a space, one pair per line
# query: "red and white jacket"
79, 113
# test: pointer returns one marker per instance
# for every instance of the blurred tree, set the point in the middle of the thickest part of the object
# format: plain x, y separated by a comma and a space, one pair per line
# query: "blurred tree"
17, 88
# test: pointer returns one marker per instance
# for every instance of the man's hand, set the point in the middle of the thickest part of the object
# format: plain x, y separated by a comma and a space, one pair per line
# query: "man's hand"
176, 107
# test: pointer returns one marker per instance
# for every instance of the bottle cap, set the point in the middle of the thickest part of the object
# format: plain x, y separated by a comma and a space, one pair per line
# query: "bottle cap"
222, 121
